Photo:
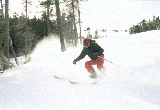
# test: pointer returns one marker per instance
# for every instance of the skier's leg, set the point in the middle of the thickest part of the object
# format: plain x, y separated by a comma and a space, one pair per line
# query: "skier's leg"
90, 69
100, 62
88, 66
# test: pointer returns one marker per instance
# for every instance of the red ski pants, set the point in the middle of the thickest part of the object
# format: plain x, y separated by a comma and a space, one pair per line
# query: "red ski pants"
99, 62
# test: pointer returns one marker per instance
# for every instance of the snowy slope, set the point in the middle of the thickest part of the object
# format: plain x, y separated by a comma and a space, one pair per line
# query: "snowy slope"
33, 87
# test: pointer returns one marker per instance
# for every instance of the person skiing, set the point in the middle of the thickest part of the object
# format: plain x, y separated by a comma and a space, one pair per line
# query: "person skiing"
95, 52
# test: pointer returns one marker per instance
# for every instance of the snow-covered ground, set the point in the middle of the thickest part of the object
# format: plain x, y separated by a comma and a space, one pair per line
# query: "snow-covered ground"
33, 87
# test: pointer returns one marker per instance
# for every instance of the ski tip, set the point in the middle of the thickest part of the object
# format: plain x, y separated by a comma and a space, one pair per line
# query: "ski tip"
73, 82
57, 77
94, 83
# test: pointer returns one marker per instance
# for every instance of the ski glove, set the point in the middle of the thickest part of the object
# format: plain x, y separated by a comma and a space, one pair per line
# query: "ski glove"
74, 62
96, 54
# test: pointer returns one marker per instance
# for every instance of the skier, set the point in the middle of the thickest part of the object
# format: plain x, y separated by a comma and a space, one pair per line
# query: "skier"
95, 52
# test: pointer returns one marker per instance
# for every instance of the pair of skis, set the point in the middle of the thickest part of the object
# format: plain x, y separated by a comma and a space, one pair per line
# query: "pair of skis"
76, 82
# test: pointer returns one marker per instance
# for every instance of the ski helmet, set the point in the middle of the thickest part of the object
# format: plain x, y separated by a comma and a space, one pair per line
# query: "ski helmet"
87, 41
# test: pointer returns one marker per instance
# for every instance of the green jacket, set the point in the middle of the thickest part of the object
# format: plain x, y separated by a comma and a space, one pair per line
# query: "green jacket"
93, 51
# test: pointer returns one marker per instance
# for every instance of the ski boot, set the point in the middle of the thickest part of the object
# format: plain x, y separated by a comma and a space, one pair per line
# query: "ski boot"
93, 74
103, 71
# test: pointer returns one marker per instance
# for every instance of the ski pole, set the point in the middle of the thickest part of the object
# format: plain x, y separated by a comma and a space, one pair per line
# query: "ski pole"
115, 64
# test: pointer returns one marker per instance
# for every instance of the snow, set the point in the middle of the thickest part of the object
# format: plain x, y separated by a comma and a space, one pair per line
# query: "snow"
33, 87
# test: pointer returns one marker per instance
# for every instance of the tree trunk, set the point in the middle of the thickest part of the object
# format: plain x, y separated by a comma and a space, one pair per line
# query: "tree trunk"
26, 36
75, 28
13, 52
27, 43
2, 9
60, 25
72, 33
80, 25
6, 29
48, 24
4, 62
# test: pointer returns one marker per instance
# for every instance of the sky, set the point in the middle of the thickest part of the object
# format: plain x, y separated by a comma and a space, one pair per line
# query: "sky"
118, 14
105, 14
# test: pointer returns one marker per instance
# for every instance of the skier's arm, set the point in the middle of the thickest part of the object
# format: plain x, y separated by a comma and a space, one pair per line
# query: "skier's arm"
81, 56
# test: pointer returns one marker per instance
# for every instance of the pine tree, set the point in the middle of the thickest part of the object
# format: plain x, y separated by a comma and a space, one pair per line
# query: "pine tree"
48, 4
